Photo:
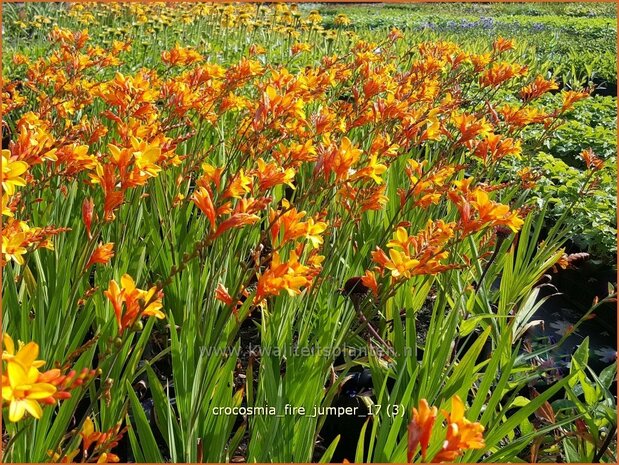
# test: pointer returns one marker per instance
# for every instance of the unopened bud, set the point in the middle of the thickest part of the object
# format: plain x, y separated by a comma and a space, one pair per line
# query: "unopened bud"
137, 326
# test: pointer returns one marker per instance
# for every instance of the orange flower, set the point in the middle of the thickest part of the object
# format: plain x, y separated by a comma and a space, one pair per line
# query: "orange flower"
66, 37
395, 34
239, 185
255, 49
499, 73
293, 228
400, 264
152, 306
372, 170
180, 56
87, 211
450, 450
340, 160
470, 432
210, 174
373, 198
88, 433
290, 276
520, 117
296, 153
137, 302
489, 213
470, 127
495, 213
144, 155
369, 281
423, 253
125, 91
113, 198
480, 61
103, 442
537, 88
202, 198
221, 294
528, 179
420, 429
570, 97
102, 254
501, 45
494, 147
462, 434
114, 295
283, 105
237, 220
592, 161
33, 145
270, 175
300, 47
426, 188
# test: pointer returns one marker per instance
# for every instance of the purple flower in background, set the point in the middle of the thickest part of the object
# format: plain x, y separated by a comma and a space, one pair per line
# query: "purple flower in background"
562, 327
486, 23
606, 354
426, 25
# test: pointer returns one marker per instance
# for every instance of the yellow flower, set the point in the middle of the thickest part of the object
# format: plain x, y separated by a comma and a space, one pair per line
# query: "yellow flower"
401, 264
314, 230
11, 173
376, 169
19, 386
372, 170
6, 209
342, 20
400, 239
12, 247
154, 308
108, 458
25, 356
239, 186
23, 392
146, 156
